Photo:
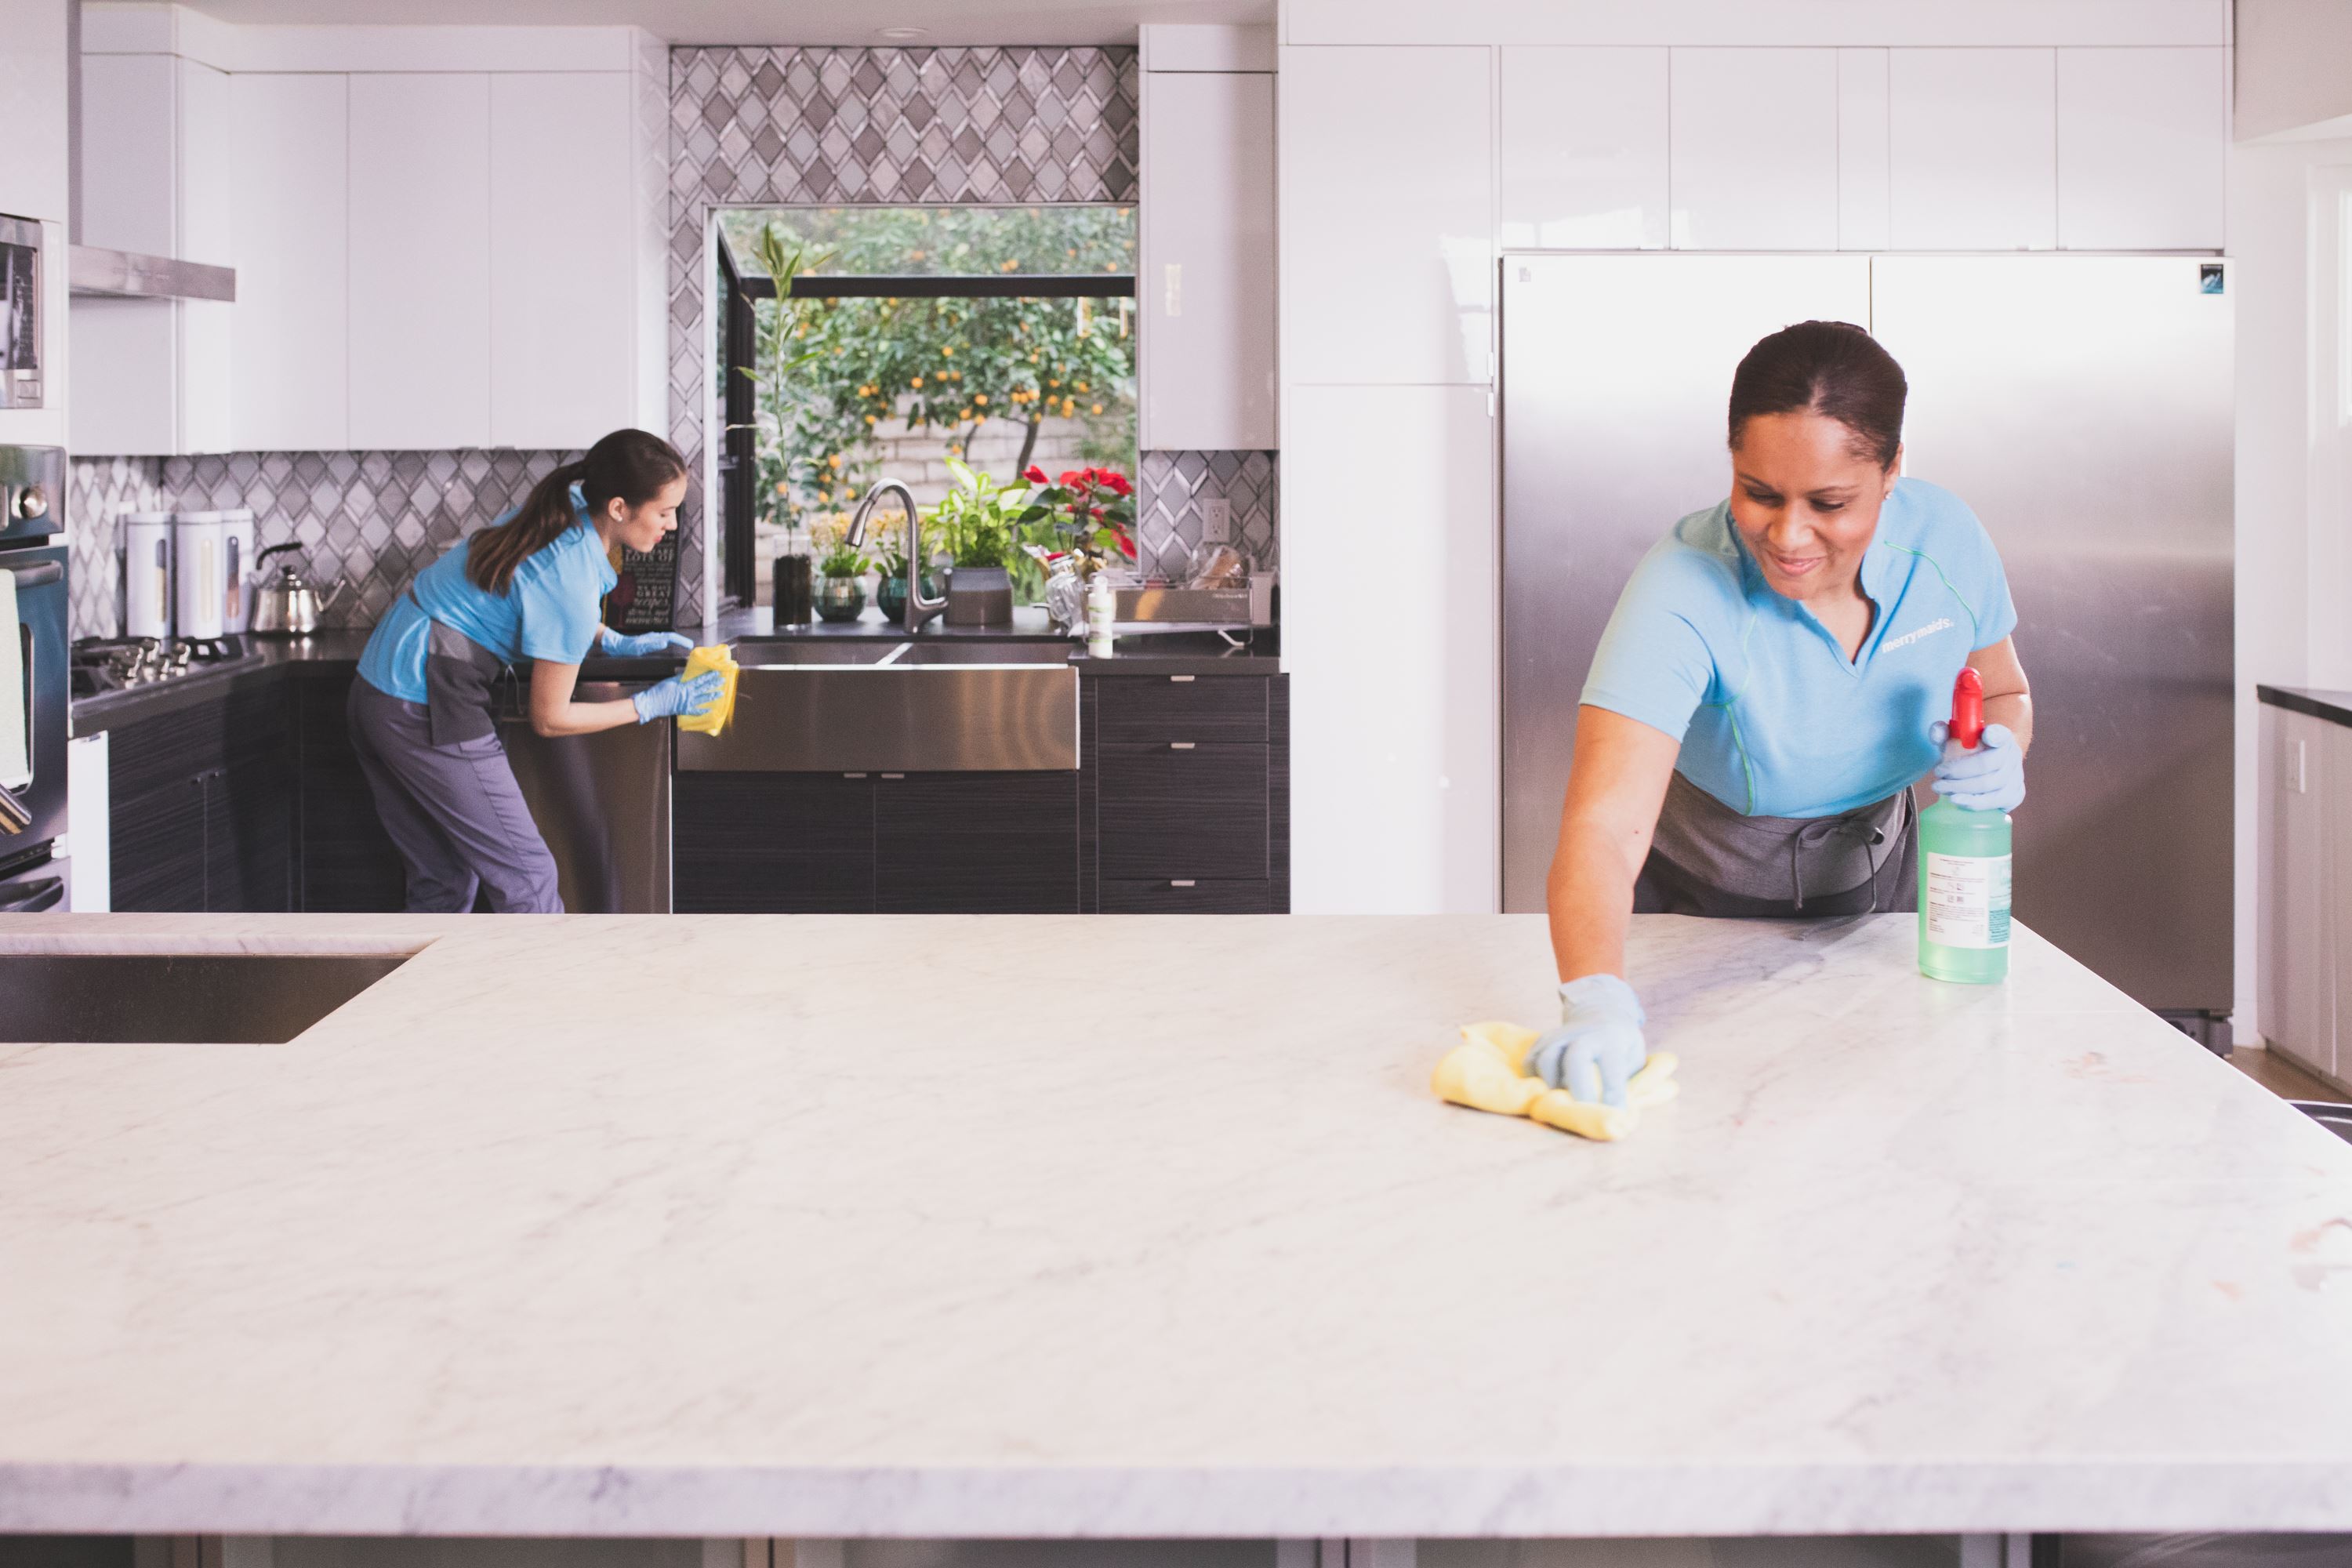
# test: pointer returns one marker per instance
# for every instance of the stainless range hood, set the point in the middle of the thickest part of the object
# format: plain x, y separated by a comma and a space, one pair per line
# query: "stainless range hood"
95, 272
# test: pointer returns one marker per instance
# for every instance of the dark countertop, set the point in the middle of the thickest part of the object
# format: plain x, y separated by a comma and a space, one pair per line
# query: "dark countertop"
2333, 706
336, 651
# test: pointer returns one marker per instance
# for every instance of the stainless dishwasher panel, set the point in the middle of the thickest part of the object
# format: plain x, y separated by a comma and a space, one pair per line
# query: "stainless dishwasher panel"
602, 802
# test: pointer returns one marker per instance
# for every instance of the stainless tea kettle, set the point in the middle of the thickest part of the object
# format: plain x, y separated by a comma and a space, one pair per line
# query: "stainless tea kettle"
287, 606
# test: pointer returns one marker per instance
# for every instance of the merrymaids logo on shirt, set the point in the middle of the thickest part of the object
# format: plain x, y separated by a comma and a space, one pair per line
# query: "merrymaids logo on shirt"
1907, 638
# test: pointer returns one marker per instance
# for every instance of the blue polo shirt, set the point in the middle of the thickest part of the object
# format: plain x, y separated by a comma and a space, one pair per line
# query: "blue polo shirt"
550, 611
1773, 719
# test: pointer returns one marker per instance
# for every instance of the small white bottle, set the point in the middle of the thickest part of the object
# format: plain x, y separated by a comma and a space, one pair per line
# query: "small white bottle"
1102, 612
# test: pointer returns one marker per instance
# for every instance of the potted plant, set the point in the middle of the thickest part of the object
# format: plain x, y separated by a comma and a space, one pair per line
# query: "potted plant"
890, 594
1086, 514
978, 523
842, 595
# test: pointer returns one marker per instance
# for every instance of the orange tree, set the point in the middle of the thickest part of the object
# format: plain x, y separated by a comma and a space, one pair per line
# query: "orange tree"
949, 364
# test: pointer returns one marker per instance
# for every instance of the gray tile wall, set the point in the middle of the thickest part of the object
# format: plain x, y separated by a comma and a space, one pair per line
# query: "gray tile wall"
375, 518
1170, 488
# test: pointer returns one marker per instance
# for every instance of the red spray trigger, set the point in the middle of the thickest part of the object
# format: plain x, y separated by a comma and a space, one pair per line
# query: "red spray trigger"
1968, 708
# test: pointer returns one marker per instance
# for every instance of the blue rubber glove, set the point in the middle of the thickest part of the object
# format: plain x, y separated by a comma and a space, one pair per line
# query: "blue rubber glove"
645, 645
679, 695
1990, 778
1598, 1045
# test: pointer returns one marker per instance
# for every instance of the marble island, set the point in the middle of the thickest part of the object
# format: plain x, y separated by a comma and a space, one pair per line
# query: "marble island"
1149, 1227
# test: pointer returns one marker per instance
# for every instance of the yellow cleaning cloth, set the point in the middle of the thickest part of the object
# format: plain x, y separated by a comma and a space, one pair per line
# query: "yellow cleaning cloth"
714, 719
1487, 1071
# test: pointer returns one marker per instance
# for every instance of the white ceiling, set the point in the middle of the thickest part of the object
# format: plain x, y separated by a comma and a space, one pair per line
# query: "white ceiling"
778, 21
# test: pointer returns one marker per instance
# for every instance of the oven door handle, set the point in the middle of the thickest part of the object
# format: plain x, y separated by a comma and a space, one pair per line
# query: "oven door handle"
41, 893
35, 576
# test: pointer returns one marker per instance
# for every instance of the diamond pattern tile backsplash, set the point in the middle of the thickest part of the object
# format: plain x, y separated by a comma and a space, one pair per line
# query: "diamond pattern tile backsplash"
1169, 519
375, 518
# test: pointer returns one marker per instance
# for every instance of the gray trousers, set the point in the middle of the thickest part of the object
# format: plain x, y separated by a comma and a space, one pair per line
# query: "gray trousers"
454, 812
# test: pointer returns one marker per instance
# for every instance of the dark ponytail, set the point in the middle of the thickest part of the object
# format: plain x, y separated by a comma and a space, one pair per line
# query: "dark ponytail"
633, 465
1831, 368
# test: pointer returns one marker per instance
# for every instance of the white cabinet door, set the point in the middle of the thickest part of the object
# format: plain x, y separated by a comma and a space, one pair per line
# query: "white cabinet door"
208, 176
1388, 241
1862, 150
2142, 138
2298, 978
420, 260
126, 351
1583, 149
1754, 159
563, 259
1207, 283
1383, 485
2331, 978
293, 263
1973, 149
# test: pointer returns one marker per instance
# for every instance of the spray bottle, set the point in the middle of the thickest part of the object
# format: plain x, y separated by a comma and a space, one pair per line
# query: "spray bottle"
1964, 870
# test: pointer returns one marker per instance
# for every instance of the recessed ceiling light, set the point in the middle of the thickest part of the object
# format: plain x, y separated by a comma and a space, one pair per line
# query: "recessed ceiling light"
901, 35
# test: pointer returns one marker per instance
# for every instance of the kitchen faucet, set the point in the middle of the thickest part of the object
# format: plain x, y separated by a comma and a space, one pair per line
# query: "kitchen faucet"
918, 607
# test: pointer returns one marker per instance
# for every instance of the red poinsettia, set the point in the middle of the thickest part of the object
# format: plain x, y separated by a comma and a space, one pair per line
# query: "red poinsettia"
1087, 509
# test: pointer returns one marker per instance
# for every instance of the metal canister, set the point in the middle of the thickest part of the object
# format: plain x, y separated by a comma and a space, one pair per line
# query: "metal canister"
241, 578
199, 563
147, 573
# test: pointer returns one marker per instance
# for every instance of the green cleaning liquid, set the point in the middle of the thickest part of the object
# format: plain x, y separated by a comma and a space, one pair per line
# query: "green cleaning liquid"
1964, 871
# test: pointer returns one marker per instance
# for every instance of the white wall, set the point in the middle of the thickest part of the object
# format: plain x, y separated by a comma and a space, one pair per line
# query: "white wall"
2292, 58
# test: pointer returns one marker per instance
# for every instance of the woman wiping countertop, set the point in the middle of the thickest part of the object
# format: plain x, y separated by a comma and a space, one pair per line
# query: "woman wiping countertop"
527, 587
1770, 689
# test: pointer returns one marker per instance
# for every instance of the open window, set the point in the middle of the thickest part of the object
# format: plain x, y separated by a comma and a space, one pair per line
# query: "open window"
1001, 337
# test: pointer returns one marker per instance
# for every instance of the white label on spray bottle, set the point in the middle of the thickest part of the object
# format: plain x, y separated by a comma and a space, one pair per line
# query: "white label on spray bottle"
1967, 900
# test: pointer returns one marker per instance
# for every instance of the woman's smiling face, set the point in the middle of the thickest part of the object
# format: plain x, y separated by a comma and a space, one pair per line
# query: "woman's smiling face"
1806, 501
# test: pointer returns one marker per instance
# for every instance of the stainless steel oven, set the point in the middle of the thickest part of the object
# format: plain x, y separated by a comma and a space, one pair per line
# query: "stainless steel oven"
32, 514
20, 313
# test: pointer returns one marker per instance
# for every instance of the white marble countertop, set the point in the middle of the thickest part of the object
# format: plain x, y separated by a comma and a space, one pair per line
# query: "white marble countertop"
884, 1227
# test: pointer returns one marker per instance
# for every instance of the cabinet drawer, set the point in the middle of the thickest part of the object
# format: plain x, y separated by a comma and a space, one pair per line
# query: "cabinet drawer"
771, 844
1204, 709
1189, 897
1171, 811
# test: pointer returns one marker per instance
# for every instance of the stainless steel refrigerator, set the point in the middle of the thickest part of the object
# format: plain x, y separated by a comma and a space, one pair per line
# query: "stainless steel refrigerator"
2082, 404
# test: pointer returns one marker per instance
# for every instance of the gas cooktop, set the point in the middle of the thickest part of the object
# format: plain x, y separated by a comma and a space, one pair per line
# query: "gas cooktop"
116, 664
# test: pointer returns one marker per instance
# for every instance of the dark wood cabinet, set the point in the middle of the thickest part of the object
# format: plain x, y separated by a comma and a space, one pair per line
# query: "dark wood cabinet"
200, 807
771, 844
976, 844
1189, 798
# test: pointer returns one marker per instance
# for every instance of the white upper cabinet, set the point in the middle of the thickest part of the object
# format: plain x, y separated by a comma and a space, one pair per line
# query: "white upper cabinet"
1387, 215
563, 259
1973, 149
2142, 140
292, 219
1583, 149
1863, 190
1206, 283
1755, 156
420, 259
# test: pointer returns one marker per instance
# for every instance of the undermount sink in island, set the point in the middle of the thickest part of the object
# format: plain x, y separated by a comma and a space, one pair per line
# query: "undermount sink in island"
722, 1227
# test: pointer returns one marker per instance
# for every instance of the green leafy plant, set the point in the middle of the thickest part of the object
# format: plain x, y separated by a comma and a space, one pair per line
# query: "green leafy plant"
842, 561
979, 522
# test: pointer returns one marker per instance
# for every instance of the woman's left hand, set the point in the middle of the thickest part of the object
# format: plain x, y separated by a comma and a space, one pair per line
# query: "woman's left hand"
647, 645
1992, 777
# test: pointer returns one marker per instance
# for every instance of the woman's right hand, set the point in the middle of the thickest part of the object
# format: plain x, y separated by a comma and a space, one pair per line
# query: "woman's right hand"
679, 694
1597, 1046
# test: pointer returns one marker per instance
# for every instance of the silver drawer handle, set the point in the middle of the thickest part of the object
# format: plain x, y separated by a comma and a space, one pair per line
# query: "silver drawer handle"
1182, 680
1180, 745
894, 775
1182, 882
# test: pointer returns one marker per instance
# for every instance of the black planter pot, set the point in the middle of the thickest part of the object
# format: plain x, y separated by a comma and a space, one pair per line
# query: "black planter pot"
795, 595
978, 596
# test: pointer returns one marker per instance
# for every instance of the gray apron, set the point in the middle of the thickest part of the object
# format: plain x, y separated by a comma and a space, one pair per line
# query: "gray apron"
1708, 859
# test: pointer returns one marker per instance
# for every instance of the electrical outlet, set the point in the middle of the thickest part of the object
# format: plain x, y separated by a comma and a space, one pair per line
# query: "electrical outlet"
1216, 521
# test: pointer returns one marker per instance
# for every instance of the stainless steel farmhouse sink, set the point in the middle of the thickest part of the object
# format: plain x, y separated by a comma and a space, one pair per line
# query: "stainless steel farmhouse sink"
212, 998
851, 705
